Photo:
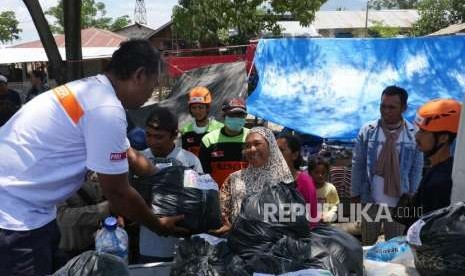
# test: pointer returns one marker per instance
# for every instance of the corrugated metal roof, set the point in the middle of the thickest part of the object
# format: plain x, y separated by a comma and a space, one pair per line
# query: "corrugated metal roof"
159, 29
356, 19
136, 30
452, 29
293, 28
134, 26
16, 55
90, 37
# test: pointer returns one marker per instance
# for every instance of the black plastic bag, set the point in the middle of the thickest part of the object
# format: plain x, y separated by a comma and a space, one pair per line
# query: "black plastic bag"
92, 263
201, 208
249, 237
144, 184
345, 248
308, 253
253, 230
288, 255
198, 257
238, 267
166, 195
167, 189
442, 249
264, 262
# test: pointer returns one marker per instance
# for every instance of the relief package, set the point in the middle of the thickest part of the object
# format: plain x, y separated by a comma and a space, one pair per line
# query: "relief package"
177, 190
438, 240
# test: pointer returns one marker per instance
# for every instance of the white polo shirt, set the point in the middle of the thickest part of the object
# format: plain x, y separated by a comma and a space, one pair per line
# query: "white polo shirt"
47, 146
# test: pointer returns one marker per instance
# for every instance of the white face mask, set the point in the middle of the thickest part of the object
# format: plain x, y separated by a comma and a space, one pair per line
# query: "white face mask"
199, 130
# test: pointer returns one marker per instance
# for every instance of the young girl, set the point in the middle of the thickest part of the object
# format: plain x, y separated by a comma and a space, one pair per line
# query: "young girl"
326, 192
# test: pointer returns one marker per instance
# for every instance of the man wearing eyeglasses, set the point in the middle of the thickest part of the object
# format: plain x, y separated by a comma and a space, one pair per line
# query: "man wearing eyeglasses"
386, 163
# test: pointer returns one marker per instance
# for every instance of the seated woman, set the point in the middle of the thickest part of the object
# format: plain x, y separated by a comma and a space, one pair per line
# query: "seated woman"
290, 148
266, 165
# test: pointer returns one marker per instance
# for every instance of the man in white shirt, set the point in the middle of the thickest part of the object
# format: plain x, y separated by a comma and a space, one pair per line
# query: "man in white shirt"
47, 147
161, 130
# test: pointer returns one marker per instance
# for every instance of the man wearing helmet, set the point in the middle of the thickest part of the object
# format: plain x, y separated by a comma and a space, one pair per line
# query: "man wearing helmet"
438, 123
199, 105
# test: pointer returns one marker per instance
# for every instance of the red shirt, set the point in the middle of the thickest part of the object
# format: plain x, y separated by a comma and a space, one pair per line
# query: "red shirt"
306, 187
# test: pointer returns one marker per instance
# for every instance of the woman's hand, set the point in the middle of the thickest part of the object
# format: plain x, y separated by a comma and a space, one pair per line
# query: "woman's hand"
223, 230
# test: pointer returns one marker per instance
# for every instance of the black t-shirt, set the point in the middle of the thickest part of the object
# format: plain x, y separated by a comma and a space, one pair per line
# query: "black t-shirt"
435, 187
35, 91
11, 96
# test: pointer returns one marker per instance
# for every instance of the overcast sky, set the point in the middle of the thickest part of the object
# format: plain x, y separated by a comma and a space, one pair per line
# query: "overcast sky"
158, 12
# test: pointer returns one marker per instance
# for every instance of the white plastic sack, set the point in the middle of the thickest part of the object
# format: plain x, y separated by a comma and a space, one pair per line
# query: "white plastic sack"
374, 268
305, 272
202, 182
388, 250
406, 259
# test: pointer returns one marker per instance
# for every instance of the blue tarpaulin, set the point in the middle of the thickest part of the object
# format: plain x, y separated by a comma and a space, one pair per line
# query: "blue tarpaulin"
331, 87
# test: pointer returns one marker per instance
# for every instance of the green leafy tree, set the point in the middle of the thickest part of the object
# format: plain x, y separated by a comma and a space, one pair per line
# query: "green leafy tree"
380, 30
120, 22
92, 15
236, 21
438, 14
9, 27
392, 4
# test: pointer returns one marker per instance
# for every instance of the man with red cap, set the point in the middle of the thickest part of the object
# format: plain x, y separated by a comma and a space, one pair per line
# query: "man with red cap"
221, 149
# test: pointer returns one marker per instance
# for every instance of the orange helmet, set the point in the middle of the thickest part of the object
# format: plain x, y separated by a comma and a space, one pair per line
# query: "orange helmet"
200, 95
439, 115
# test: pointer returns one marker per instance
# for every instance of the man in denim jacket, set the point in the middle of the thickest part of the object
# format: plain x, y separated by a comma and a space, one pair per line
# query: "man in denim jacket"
386, 164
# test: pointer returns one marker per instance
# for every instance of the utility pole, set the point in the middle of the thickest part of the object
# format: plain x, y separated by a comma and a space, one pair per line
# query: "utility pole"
140, 13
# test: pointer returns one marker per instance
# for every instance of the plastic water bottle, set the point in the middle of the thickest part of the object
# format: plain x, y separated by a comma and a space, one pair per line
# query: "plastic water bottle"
112, 239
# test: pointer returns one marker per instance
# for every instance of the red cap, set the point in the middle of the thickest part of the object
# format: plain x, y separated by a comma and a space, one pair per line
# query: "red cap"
234, 105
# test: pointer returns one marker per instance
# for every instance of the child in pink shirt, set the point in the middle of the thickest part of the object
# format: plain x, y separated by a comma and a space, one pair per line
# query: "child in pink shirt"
290, 148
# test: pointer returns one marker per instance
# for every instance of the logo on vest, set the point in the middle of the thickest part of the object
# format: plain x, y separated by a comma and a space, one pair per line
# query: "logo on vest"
218, 153
190, 140
118, 156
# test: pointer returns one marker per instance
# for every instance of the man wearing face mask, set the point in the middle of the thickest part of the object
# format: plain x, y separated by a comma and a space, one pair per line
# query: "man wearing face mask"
221, 149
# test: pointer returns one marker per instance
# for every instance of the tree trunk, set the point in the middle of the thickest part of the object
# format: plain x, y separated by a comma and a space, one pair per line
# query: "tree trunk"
56, 63
72, 27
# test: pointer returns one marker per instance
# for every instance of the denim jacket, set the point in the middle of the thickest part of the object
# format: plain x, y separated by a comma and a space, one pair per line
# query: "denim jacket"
365, 158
